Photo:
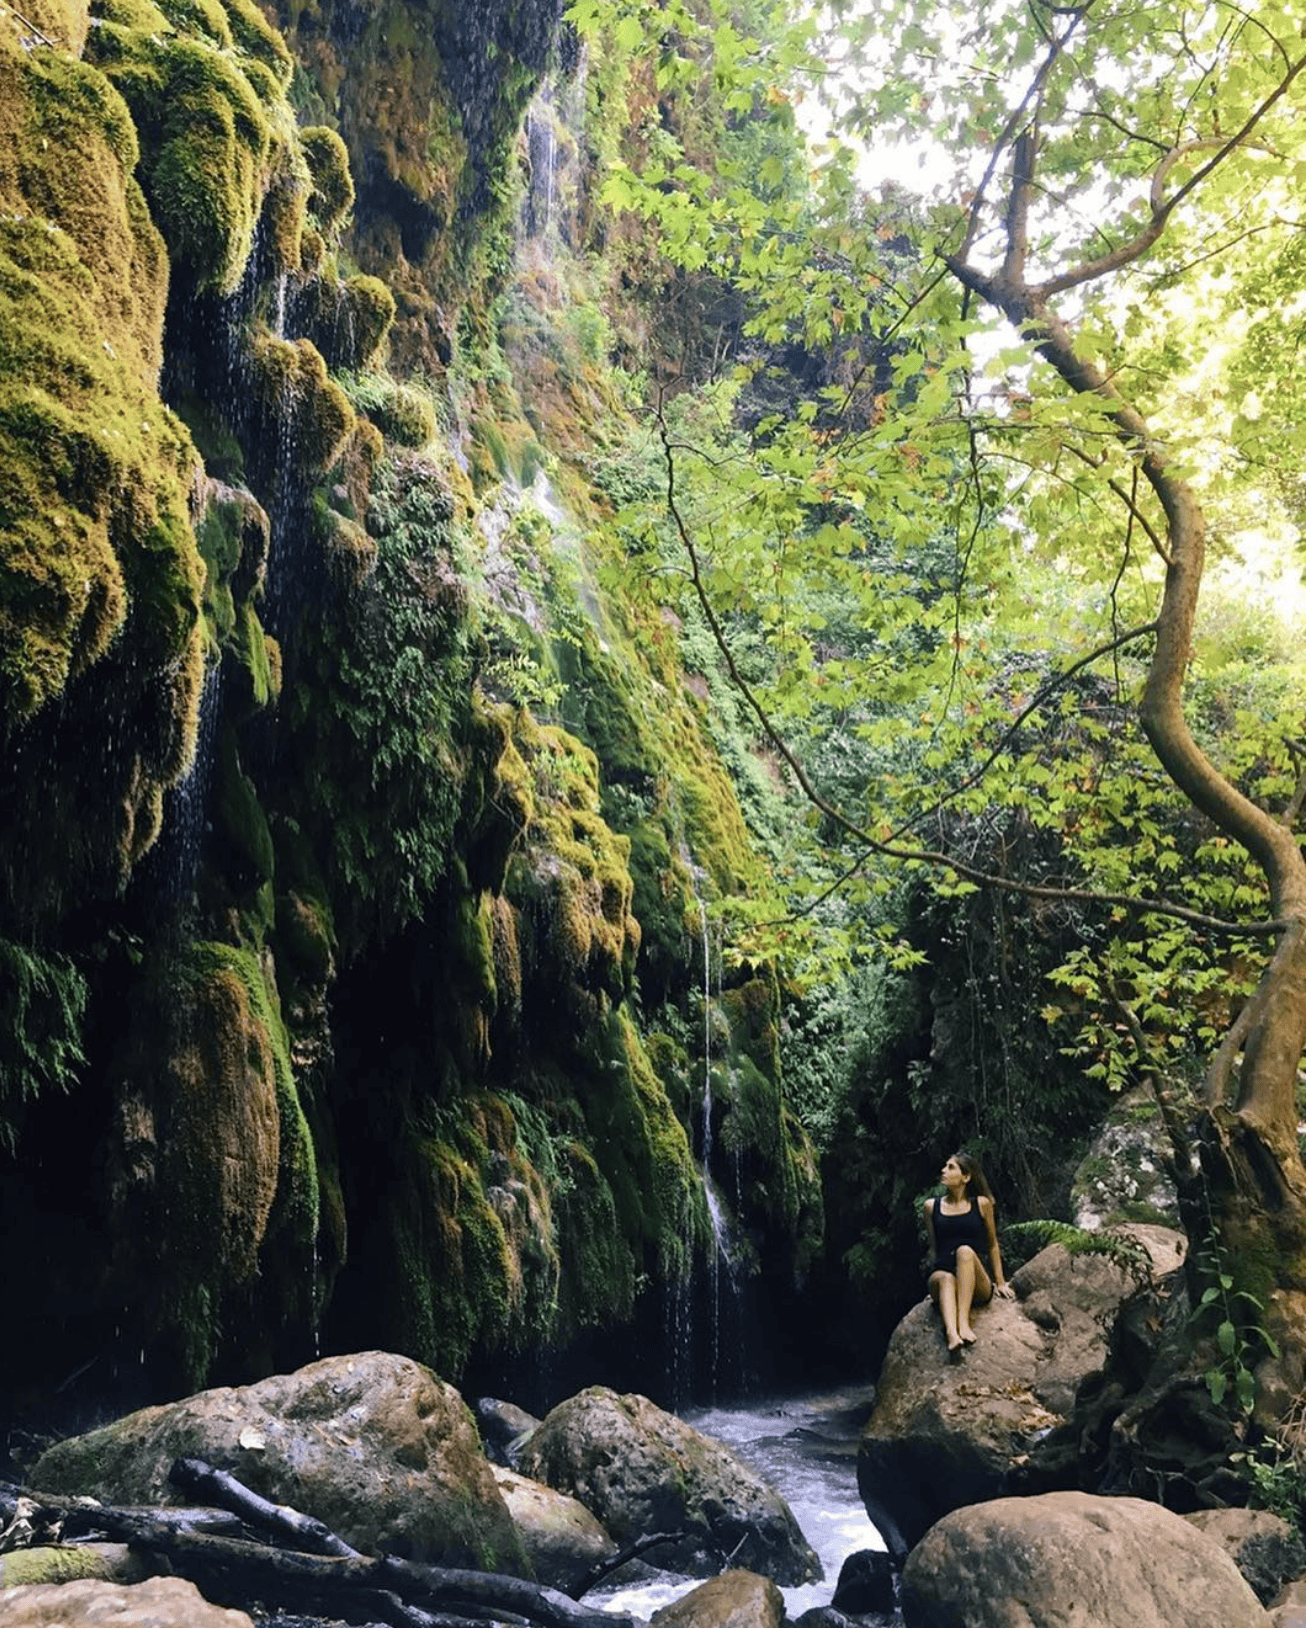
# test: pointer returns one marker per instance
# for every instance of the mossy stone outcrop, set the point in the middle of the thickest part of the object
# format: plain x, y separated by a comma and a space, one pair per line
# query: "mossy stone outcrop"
374, 1445
206, 84
366, 1048
100, 578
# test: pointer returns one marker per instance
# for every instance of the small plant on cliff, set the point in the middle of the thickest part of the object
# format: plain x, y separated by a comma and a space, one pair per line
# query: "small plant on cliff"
1277, 1477
42, 1003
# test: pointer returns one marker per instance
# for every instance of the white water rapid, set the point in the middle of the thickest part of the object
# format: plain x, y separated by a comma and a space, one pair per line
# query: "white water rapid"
806, 1448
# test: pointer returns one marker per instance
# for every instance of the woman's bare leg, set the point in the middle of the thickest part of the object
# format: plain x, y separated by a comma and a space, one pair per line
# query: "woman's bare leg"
943, 1291
973, 1289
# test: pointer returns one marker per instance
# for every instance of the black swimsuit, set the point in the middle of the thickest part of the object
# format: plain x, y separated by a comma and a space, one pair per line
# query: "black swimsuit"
951, 1231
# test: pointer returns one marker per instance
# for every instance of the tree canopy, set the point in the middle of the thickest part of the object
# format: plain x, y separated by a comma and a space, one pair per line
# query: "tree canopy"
949, 513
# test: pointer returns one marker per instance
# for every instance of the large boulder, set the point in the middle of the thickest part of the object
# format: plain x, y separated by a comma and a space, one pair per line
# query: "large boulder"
640, 1470
374, 1445
943, 1435
1073, 1560
564, 1541
162, 1602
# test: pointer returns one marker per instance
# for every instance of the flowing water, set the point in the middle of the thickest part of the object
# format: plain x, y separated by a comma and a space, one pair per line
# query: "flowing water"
806, 1448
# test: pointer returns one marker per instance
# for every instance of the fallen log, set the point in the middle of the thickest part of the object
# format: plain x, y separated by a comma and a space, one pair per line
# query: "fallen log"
233, 1571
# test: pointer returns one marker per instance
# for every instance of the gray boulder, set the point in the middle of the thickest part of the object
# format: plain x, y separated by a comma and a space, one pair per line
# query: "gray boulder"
640, 1470
867, 1583
1072, 1560
162, 1602
1289, 1609
1125, 1173
504, 1428
944, 1435
562, 1538
374, 1445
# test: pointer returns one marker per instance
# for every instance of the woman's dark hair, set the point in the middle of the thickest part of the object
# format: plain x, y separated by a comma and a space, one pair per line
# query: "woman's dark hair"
976, 1183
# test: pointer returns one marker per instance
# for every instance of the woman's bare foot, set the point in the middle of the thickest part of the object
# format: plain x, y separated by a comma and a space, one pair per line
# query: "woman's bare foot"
968, 1337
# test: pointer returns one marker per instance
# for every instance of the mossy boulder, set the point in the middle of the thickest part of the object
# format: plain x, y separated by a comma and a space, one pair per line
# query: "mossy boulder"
332, 196
348, 320
374, 1445
640, 1470
206, 87
295, 401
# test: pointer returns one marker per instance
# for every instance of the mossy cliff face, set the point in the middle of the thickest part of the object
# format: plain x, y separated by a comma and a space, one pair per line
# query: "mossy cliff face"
100, 579
428, 97
357, 865
214, 1181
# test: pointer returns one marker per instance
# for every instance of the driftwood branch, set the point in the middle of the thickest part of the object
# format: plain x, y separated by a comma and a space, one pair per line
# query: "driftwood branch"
340, 1583
604, 1568
220, 1487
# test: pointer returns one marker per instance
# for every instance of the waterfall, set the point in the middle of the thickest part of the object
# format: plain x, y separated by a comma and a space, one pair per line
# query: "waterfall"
168, 871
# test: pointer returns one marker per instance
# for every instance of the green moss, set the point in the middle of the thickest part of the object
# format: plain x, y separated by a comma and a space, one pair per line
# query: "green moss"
472, 1231
256, 660
472, 942
752, 1010
332, 196
240, 819
52, 1565
100, 569
404, 414
207, 145
305, 937
292, 1224
385, 682
599, 1272
42, 1009
233, 534
285, 212
293, 395
206, 86
645, 1156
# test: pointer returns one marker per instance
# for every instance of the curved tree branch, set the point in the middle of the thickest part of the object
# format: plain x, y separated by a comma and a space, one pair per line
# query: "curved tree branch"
1162, 207
1274, 1034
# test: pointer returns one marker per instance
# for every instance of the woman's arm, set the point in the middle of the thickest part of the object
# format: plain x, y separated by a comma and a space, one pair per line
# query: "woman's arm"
927, 1210
1000, 1284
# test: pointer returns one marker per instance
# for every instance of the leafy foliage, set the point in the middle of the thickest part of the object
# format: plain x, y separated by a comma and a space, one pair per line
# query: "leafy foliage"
388, 689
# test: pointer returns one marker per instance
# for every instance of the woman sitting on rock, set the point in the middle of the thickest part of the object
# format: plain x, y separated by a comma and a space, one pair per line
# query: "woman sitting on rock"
966, 1269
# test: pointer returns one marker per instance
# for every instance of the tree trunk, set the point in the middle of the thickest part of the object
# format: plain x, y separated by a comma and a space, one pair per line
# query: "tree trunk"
1244, 1193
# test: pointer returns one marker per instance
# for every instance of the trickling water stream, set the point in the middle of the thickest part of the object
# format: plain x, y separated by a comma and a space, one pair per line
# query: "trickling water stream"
806, 1448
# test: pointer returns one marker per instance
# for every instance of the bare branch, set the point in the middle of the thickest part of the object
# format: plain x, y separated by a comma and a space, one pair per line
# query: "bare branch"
1162, 207
1043, 695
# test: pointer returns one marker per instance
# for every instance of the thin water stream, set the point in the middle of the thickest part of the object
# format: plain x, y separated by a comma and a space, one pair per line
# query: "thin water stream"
806, 1448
